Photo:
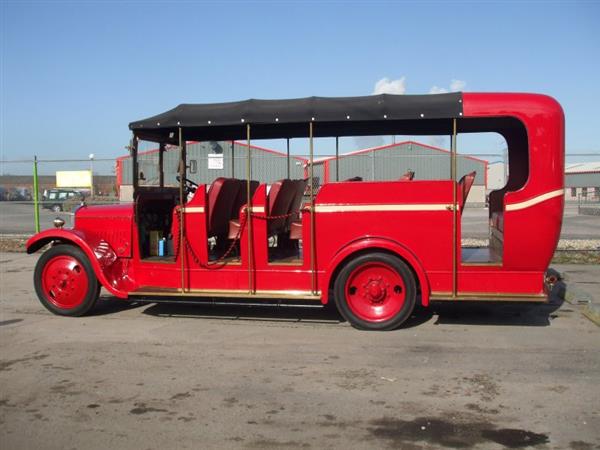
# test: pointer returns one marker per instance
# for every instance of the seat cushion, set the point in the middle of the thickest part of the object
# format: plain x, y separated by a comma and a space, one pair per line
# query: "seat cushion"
296, 230
234, 229
221, 196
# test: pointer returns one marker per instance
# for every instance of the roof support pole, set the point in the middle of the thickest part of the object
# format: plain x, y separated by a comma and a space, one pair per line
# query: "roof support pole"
337, 158
133, 148
313, 274
232, 159
161, 172
251, 288
454, 207
36, 194
288, 157
182, 246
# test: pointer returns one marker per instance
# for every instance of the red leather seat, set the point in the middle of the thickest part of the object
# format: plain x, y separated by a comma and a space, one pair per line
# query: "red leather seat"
294, 223
280, 200
300, 188
221, 196
409, 175
242, 197
464, 186
285, 197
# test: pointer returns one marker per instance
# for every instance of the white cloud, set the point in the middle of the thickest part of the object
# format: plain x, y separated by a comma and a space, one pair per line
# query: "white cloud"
387, 86
457, 85
437, 90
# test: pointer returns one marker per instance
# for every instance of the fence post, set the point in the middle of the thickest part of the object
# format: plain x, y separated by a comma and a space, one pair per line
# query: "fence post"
36, 203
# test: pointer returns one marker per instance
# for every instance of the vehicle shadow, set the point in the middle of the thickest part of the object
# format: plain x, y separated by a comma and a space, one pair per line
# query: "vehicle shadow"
266, 313
107, 304
447, 313
500, 313
291, 314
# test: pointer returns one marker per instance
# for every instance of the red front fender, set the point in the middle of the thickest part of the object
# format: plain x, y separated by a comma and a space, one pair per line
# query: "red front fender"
375, 243
101, 255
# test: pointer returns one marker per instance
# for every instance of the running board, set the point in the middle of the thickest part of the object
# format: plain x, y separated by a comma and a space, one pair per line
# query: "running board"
231, 293
487, 297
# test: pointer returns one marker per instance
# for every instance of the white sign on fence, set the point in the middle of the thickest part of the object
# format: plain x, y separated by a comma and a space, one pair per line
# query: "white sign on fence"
74, 178
215, 161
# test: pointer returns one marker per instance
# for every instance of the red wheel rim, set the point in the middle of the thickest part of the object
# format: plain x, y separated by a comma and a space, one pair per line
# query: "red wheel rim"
65, 282
375, 292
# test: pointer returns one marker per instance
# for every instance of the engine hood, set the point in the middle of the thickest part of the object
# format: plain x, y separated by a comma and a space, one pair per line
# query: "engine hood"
105, 211
110, 223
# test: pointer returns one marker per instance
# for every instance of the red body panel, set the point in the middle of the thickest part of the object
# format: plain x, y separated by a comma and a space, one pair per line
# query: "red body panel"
413, 219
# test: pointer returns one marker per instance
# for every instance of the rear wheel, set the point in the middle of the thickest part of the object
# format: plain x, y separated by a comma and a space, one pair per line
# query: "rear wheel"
65, 282
375, 291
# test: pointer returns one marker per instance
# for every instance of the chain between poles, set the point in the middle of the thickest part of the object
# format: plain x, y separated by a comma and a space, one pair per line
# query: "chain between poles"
220, 262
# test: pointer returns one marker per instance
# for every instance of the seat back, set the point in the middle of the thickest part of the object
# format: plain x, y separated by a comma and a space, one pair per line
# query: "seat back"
242, 197
221, 195
464, 186
299, 189
409, 175
280, 199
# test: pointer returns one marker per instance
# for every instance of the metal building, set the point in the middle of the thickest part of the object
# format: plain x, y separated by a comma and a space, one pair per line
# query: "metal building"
228, 159
210, 160
582, 180
390, 162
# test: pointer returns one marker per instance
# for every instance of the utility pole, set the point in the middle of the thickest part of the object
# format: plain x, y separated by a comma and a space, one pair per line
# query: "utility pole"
92, 174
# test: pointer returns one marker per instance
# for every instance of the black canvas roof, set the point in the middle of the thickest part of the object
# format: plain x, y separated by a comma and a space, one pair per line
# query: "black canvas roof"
332, 116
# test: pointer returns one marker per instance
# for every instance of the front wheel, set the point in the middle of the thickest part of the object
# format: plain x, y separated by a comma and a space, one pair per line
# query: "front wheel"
65, 281
375, 291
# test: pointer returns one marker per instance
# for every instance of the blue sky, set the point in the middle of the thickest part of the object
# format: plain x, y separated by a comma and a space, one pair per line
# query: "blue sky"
74, 74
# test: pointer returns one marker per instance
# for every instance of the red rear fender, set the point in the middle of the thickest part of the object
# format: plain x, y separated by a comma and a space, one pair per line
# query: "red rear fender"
387, 245
103, 258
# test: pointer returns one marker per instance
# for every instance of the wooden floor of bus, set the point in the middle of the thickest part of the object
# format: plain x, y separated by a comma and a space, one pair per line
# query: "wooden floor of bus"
482, 255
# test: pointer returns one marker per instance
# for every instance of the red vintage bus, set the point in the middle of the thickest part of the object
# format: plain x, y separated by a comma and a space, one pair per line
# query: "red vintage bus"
371, 248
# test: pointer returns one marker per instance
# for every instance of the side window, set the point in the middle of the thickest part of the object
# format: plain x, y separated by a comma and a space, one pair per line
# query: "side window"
52, 196
573, 192
148, 166
62, 195
71, 194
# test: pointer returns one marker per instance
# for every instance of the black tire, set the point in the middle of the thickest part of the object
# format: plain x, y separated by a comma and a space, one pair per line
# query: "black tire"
89, 291
404, 284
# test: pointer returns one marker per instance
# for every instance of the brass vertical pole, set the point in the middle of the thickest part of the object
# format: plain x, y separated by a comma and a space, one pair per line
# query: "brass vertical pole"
182, 246
232, 159
249, 215
312, 213
134, 163
36, 199
161, 172
288, 158
454, 207
337, 158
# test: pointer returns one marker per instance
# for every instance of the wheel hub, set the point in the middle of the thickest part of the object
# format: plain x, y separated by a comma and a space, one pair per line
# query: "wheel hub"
65, 282
375, 291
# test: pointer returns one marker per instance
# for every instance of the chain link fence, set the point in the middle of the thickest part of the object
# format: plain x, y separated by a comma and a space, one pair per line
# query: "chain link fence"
109, 181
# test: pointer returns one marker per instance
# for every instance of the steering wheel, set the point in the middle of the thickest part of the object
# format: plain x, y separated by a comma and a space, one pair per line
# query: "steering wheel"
190, 186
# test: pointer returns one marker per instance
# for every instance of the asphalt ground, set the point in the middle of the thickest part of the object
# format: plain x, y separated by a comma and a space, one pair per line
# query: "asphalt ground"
175, 376
17, 218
